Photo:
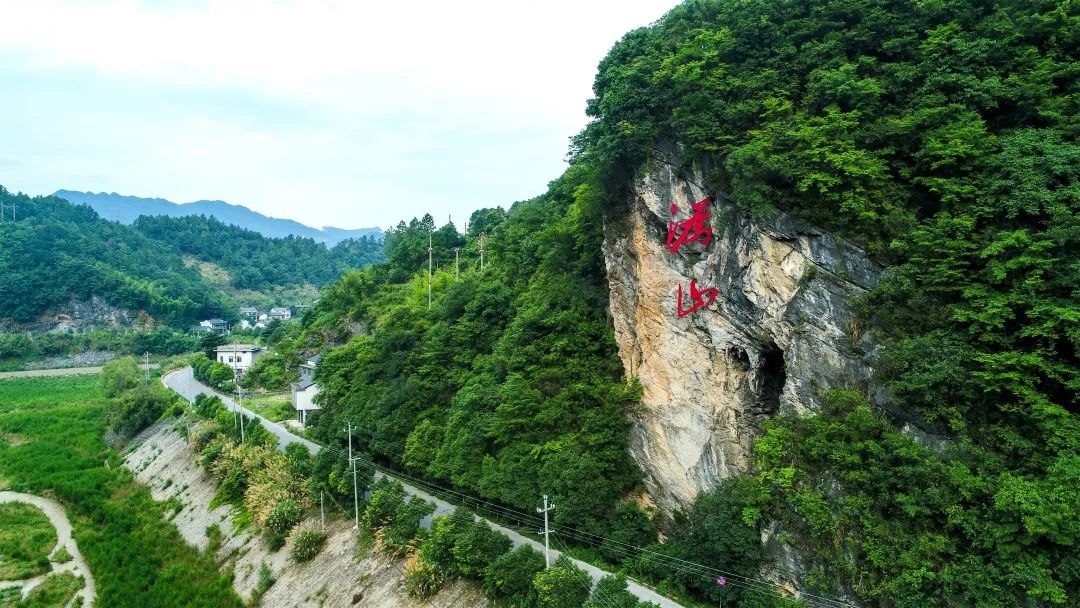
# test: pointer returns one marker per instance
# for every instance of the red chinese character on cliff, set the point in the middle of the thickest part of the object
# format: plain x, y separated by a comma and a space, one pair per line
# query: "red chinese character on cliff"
699, 298
693, 229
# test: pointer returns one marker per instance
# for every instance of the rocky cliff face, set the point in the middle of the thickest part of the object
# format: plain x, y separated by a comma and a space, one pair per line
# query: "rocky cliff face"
781, 326
78, 315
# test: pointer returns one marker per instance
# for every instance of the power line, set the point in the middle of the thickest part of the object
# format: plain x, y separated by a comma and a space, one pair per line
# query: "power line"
676, 563
594, 539
593, 591
679, 564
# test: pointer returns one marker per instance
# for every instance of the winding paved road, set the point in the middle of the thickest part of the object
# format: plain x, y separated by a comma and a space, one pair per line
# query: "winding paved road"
58, 517
183, 382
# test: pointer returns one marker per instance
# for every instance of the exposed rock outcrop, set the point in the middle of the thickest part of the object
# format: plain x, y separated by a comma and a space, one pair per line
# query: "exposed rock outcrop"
77, 315
781, 326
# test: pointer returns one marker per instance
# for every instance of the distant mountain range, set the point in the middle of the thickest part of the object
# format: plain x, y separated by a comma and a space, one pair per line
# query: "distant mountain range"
126, 209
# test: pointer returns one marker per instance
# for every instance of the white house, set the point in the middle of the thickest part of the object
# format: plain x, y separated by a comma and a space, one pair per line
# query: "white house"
280, 313
240, 357
305, 390
218, 325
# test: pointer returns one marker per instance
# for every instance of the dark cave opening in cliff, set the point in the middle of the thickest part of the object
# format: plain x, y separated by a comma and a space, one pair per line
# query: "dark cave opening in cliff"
772, 375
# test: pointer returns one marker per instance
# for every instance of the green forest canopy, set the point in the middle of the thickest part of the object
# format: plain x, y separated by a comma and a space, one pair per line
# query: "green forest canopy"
942, 136
57, 251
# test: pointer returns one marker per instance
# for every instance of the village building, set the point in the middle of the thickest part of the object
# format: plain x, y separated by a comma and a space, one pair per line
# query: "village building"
305, 390
280, 313
212, 325
240, 357
248, 312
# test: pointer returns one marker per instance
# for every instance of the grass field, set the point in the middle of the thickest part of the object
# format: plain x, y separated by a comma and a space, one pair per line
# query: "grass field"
275, 407
26, 538
54, 592
51, 445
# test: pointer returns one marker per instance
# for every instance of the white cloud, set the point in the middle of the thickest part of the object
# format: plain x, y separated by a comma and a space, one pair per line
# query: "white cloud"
379, 83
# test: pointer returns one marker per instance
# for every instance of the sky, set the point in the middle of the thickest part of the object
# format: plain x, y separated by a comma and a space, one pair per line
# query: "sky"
348, 114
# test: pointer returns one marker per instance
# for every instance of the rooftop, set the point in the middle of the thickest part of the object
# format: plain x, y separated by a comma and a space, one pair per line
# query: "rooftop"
233, 348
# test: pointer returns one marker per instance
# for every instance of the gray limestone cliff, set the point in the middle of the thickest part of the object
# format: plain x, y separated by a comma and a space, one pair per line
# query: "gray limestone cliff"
781, 327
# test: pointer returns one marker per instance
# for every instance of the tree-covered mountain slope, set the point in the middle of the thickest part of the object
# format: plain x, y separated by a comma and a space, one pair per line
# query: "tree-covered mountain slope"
54, 252
942, 136
255, 263
507, 385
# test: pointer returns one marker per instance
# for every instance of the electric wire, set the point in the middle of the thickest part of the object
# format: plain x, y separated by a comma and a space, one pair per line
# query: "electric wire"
679, 564
598, 540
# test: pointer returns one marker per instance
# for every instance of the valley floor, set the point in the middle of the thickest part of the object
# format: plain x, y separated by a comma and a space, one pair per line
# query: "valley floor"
76, 566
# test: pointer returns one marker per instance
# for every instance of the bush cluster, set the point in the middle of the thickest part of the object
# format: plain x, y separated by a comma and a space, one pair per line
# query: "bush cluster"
307, 544
135, 402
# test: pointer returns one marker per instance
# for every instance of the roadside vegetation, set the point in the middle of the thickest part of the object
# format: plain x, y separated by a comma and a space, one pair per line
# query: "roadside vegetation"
136, 556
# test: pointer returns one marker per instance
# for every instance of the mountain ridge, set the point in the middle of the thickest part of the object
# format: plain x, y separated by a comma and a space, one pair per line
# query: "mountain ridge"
126, 209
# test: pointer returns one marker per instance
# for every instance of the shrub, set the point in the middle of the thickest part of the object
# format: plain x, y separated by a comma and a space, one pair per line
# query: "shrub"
437, 549
137, 408
62, 555
307, 544
422, 580
119, 376
477, 546
563, 585
630, 529
399, 534
284, 516
214, 539
386, 497
208, 406
510, 577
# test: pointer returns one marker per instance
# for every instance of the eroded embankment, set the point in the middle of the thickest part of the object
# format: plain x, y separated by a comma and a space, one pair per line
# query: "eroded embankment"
335, 578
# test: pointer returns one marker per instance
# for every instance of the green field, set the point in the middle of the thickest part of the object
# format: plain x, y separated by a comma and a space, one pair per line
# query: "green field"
276, 407
26, 538
51, 445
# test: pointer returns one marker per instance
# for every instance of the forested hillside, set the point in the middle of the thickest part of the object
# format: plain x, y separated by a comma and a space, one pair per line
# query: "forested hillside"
55, 251
256, 262
942, 136
507, 386
177, 270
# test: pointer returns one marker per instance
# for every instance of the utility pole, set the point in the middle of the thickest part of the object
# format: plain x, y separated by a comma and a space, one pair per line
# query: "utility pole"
355, 493
481, 253
429, 271
241, 414
147, 364
546, 531
322, 511
457, 263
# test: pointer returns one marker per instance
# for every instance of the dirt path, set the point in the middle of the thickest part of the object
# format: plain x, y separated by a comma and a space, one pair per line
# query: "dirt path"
58, 517
63, 371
